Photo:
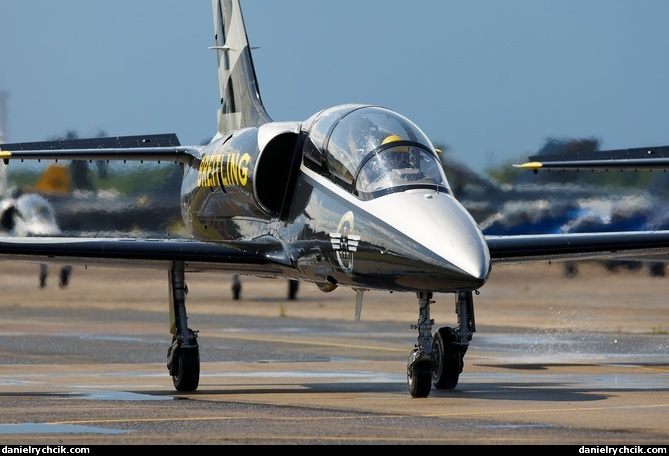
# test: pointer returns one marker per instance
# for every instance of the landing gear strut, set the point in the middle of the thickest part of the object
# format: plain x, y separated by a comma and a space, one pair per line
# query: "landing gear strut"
183, 356
439, 360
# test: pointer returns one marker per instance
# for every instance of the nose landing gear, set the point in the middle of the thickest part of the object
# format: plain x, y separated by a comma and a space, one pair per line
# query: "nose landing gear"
439, 361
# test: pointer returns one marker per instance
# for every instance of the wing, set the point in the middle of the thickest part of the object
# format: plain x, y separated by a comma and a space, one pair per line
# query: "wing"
579, 246
629, 159
162, 147
264, 257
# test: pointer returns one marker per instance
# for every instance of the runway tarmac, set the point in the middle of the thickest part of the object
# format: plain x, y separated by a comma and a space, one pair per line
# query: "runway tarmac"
580, 361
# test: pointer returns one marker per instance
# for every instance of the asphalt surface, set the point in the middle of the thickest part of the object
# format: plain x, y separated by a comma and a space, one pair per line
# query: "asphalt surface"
554, 361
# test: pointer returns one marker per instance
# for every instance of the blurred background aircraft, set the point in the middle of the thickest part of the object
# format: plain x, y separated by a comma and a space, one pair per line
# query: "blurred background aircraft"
29, 214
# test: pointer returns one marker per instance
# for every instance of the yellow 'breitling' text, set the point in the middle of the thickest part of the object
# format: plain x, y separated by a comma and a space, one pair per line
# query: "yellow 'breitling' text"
223, 169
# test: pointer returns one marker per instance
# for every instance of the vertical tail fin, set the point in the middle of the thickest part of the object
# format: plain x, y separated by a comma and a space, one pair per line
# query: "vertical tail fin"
241, 105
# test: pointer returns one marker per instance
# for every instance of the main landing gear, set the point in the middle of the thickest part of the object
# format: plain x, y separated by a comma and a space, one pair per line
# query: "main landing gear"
183, 356
439, 360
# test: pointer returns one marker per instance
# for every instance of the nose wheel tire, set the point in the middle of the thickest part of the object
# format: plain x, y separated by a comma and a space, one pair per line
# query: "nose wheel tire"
448, 361
419, 379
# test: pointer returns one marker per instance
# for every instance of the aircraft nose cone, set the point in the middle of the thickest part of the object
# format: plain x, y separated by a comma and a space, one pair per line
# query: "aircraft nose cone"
444, 239
459, 247
471, 267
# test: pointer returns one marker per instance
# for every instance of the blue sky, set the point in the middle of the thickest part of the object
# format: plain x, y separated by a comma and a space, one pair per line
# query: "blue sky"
490, 79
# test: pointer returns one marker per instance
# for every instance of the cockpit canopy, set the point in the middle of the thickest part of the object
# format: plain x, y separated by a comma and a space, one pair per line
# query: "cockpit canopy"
371, 151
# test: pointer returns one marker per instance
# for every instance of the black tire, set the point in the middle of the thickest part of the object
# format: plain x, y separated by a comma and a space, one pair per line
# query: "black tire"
420, 379
293, 285
42, 275
187, 370
657, 270
612, 266
570, 269
64, 278
447, 363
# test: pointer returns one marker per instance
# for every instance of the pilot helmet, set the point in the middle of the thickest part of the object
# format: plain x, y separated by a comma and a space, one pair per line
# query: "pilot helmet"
400, 156
391, 138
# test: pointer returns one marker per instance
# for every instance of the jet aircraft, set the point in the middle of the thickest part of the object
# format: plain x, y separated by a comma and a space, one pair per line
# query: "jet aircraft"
354, 196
